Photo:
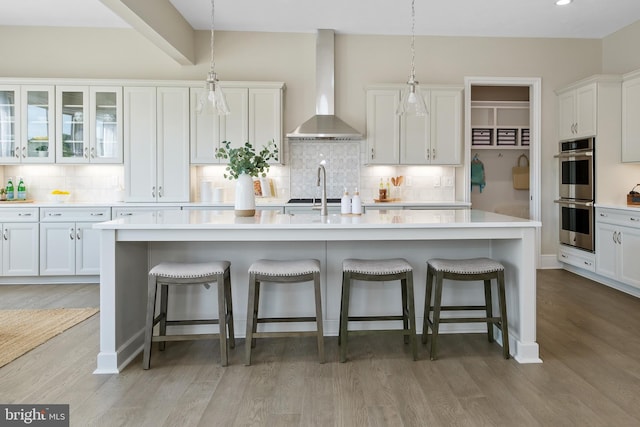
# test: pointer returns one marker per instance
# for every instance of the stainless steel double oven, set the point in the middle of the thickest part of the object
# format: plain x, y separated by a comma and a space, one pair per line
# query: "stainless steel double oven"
577, 193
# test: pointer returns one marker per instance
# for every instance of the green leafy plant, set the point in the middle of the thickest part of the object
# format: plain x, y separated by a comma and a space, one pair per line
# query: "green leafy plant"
244, 159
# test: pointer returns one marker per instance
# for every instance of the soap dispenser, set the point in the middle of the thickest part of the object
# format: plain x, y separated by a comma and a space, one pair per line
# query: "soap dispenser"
356, 203
345, 203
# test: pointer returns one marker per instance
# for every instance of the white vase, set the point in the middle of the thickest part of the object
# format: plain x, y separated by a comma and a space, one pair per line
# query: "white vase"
245, 204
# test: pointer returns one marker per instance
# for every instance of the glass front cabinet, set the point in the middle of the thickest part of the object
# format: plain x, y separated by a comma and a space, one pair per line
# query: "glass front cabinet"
37, 134
88, 124
9, 116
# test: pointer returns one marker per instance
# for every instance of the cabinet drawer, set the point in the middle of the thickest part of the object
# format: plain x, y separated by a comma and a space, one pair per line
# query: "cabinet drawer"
75, 214
618, 217
123, 212
577, 258
19, 215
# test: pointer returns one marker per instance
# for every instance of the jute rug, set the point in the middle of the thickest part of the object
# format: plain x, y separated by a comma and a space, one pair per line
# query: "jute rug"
24, 330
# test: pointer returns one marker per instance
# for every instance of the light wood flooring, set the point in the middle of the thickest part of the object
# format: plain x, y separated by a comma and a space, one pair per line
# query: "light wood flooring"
589, 338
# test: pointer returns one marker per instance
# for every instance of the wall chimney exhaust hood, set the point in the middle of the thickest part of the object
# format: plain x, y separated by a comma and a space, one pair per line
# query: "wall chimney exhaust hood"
325, 124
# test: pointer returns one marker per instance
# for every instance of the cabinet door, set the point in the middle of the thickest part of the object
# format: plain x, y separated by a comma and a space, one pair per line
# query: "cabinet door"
87, 249
105, 133
630, 122
9, 128
383, 127
606, 249
72, 124
415, 137
446, 126
234, 127
173, 144
265, 118
20, 249
566, 115
628, 256
57, 248
38, 131
204, 132
586, 110
140, 144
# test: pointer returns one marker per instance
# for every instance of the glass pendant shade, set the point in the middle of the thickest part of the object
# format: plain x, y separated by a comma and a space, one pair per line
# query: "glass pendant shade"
213, 99
412, 101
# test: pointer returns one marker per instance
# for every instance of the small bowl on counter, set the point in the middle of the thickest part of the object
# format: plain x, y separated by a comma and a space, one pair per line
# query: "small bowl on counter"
59, 197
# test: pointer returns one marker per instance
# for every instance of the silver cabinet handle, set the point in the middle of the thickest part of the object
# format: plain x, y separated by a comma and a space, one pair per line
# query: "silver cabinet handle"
564, 256
160, 191
587, 263
97, 213
153, 191
24, 152
613, 236
54, 214
86, 152
619, 237
434, 153
4, 234
126, 213
93, 153
78, 235
603, 214
427, 154
24, 214
71, 230
373, 153
634, 219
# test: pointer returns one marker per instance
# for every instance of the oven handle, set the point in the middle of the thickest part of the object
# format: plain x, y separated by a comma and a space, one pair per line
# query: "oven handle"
573, 202
587, 153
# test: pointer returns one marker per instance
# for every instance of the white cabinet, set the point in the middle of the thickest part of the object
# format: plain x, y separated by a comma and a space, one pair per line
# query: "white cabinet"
156, 141
88, 124
256, 116
577, 109
630, 114
26, 124
618, 245
68, 243
576, 257
19, 242
435, 139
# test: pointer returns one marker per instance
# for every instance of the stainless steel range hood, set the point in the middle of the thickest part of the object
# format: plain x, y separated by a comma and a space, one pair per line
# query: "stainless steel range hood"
325, 124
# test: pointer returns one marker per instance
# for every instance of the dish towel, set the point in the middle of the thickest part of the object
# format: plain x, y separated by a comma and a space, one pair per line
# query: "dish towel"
477, 174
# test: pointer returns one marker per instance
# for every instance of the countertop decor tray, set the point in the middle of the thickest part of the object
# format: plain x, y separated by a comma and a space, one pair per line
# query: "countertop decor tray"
16, 201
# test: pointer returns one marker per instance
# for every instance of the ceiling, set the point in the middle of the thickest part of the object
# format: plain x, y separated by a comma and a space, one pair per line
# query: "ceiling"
493, 18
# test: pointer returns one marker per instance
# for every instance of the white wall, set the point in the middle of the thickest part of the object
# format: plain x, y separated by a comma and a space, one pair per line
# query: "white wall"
360, 61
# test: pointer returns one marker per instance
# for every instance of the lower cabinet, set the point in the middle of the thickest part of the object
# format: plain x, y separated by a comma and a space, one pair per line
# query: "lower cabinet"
70, 247
20, 249
618, 245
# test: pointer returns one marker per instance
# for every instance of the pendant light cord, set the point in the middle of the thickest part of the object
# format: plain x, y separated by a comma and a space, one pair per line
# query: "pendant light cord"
213, 63
413, 40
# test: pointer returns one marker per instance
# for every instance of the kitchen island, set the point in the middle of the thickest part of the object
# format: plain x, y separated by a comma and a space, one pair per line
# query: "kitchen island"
130, 246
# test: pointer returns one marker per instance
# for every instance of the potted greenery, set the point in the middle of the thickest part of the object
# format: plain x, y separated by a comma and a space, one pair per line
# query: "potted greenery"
243, 164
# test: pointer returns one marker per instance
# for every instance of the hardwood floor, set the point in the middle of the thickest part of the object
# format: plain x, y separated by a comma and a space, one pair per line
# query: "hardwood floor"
589, 338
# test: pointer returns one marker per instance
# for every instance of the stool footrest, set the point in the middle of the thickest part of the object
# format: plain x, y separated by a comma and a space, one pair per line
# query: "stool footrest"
369, 318
468, 320
186, 337
193, 322
285, 319
380, 331
462, 307
284, 334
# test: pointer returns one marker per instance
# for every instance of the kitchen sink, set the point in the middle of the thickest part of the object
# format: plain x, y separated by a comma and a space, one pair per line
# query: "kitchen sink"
316, 200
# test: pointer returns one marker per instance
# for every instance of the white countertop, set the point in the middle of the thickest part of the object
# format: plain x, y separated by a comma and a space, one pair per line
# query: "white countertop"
635, 209
387, 219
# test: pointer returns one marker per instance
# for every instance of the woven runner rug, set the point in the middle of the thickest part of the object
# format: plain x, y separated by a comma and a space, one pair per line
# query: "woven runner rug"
24, 330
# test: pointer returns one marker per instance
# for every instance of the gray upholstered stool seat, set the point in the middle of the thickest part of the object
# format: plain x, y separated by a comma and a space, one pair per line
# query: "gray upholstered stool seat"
474, 269
278, 271
378, 270
168, 274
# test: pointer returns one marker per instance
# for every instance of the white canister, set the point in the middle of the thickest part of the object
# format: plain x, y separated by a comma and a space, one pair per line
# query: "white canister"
205, 191
218, 195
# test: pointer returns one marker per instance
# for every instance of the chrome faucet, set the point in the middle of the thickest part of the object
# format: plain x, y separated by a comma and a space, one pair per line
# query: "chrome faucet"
323, 206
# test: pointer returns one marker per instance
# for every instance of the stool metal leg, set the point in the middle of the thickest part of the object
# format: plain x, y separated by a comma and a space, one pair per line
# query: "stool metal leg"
164, 299
405, 309
344, 315
436, 315
320, 329
229, 311
251, 318
148, 331
488, 302
427, 306
222, 320
503, 315
411, 313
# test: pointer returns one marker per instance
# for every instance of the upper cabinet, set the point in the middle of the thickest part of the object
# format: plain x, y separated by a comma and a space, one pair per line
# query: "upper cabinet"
577, 108
630, 115
156, 141
256, 117
88, 124
26, 124
435, 139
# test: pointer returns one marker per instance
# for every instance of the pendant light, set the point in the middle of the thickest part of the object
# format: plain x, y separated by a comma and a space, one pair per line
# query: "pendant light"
412, 101
213, 100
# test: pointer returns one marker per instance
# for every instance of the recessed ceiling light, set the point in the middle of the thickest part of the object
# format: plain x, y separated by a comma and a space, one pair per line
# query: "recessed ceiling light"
563, 2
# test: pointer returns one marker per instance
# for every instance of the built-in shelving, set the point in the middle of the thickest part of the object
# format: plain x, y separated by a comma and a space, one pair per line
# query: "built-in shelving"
500, 125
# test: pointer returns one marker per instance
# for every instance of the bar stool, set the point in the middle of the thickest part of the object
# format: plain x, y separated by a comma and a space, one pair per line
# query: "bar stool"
378, 271
168, 274
484, 269
273, 271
